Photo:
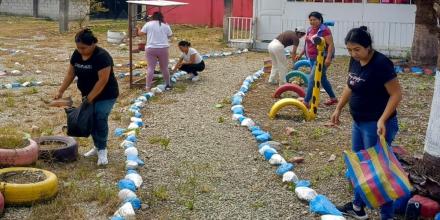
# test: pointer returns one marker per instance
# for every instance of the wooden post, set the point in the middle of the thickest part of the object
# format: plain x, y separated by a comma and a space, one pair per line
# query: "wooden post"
35, 8
63, 17
227, 13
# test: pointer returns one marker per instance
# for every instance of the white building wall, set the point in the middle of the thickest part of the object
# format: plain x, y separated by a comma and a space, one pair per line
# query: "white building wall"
391, 25
46, 8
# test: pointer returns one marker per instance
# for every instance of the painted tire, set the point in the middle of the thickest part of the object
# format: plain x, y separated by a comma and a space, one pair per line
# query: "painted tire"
19, 157
302, 63
299, 74
23, 194
289, 87
288, 102
66, 153
2, 204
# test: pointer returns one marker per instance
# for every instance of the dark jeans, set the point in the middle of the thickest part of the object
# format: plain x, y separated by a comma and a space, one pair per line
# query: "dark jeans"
364, 135
193, 68
324, 83
100, 122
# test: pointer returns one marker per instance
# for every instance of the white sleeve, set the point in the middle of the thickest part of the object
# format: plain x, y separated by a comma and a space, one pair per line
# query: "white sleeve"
192, 51
144, 28
169, 31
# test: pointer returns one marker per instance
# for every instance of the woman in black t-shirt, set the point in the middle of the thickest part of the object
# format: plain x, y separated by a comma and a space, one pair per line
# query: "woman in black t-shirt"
373, 92
98, 86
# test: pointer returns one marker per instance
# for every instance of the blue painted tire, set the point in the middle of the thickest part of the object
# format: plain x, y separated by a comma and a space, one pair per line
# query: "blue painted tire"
297, 74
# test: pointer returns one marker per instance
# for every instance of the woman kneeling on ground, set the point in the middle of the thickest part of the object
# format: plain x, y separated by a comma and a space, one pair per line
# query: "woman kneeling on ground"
98, 86
190, 61
373, 92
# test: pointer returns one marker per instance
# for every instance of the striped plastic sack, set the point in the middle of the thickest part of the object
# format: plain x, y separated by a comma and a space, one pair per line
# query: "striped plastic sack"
377, 175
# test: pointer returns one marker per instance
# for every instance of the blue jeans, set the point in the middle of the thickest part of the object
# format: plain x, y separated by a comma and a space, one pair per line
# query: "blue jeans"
324, 83
100, 122
364, 135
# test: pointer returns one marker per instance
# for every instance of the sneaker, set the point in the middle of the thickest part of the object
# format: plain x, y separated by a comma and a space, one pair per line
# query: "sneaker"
190, 76
102, 157
92, 152
331, 101
168, 88
348, 209
195, 79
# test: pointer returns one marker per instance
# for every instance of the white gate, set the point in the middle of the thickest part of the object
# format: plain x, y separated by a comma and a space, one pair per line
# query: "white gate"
240, 31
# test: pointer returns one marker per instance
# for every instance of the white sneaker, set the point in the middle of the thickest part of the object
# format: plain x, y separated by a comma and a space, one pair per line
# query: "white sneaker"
102, 157
195, 79
190, 76
92, 152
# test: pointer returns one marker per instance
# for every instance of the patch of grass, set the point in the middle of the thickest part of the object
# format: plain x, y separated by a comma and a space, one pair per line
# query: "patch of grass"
205, 188
288, 154
163, 142
10, 102
258, 204
180, 87
11, 138
318, 133
161, 193
403, 126
30, 91
25, 79
226, 101
220, 119
189, 204
116, 116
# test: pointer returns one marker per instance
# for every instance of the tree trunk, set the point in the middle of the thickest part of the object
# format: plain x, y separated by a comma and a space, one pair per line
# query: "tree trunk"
425, 43
431, 156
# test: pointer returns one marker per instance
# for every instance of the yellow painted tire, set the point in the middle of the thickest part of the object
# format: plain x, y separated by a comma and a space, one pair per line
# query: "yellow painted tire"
24, 194
288, 102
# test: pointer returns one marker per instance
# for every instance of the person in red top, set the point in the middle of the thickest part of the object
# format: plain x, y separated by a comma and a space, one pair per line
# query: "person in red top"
318, 29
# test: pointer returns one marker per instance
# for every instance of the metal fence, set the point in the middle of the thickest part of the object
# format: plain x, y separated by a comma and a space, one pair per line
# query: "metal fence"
240, 29
393, 38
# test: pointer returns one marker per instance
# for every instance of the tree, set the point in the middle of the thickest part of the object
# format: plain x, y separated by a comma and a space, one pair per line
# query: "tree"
425, 42
431, 156
87, 8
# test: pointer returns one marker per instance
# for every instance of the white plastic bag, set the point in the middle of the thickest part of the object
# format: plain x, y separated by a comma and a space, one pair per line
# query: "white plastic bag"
264, 148
277, 159
332, 217
126, 211
136, 178
248, 122
290, 177
130, 164
305, 193
134, 119
236, 106
131, 151
133, 126
125, 194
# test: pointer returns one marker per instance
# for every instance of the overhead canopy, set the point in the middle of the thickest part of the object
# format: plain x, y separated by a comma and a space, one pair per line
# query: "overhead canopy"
158, 3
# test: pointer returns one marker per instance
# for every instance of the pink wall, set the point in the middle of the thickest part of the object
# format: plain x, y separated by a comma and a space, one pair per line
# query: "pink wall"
206, 12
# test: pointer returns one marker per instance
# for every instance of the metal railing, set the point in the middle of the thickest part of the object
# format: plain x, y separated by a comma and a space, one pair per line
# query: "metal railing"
240, 29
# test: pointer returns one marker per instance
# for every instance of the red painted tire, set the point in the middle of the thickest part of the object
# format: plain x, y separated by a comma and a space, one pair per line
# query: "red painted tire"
66, 152
19, 157
2, 204
289, 87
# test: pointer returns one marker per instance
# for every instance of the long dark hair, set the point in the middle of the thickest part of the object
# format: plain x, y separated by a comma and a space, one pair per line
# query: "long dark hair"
359, 36
317, 15
158, 16
86, 36
184, 43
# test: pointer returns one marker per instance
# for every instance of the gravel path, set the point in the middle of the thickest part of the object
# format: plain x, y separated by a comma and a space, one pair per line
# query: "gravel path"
210, 170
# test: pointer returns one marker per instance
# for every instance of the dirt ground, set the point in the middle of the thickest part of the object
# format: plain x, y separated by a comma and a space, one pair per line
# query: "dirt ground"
316, 142
86, 191
89, 192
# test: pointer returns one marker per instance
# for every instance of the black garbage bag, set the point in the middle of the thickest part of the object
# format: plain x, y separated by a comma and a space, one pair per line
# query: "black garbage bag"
80, 120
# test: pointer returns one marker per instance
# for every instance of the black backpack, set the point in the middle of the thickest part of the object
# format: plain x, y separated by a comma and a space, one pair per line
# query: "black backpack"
80, 120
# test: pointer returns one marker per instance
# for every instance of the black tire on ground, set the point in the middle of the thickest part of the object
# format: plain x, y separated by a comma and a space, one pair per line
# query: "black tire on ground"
66, 152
